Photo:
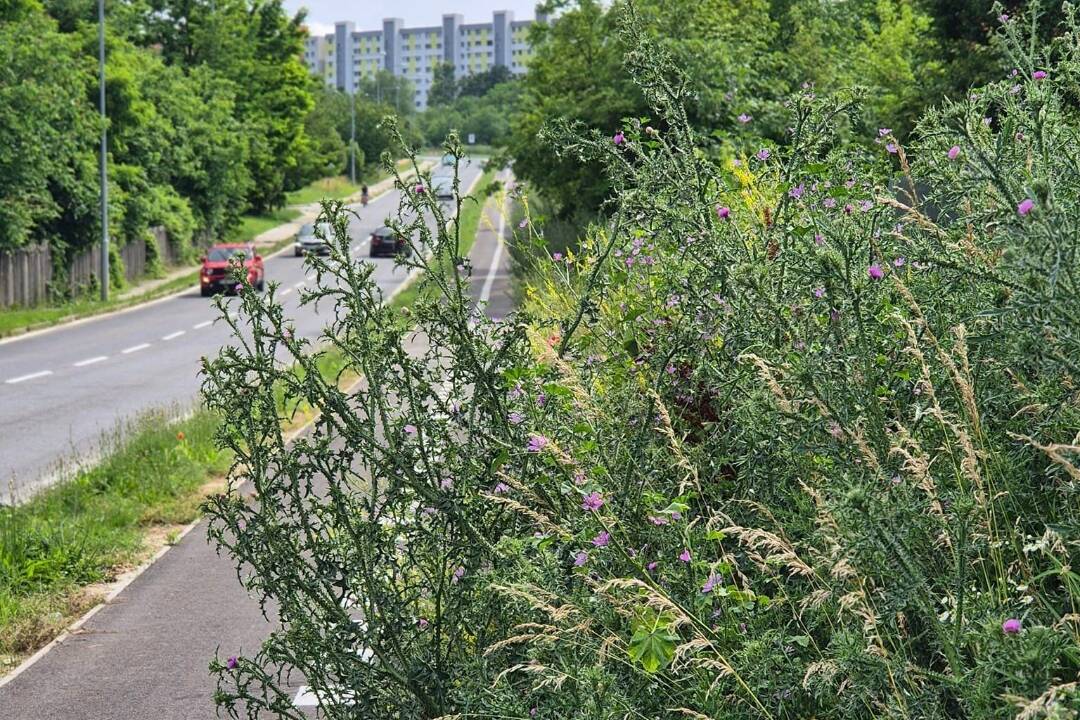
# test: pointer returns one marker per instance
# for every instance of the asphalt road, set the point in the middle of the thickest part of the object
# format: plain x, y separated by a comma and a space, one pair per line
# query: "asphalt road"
64, 392
145, 654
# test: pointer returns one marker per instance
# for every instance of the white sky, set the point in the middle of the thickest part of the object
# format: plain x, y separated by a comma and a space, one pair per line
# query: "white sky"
368, 15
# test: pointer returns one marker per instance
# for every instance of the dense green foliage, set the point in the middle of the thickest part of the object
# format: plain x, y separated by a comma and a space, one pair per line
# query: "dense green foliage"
741, 60
481, 105
792, 435
211, 114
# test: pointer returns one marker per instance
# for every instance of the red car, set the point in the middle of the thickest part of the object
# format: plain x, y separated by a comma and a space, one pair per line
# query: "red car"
216, 275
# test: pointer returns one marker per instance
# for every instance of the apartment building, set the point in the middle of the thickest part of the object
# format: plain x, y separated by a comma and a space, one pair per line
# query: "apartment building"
345, 57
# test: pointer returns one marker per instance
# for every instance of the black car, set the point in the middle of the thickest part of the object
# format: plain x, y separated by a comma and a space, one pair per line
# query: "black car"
385, 241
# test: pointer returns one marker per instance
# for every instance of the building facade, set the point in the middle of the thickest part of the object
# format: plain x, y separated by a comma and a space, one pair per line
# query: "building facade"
347, 56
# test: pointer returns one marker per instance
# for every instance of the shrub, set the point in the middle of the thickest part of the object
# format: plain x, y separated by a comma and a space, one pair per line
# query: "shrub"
777, 442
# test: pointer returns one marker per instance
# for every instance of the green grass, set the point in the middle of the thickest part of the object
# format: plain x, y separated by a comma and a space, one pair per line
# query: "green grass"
87, 529
253, 225
18, 320
332, 188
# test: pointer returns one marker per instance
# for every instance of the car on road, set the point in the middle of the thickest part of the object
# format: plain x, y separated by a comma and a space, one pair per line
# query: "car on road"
216, 274
448, 160
386, 241
443, 187
308, 240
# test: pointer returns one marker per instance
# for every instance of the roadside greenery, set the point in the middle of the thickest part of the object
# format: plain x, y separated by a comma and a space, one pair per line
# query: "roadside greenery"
90, 528
793, 433
211, 116
741, 61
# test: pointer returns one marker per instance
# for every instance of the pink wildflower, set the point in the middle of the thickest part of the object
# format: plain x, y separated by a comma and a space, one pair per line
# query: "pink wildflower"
581, 558
723, 212
602, 539
685, 555
593, 501
1039, 75
1026, 206
875, 272
1012, 626
619, 138
954, 152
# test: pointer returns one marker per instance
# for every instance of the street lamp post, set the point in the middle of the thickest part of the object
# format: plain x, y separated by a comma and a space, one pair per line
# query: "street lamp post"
103, 161
352, 136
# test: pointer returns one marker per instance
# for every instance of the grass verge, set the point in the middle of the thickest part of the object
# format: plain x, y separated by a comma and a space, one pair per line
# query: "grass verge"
60, 546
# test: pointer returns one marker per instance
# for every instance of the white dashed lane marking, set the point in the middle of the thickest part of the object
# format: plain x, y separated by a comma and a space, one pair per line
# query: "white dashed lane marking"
201, 325
31, 376
135, 348
173, 336
285, 292
299, 284
91, 361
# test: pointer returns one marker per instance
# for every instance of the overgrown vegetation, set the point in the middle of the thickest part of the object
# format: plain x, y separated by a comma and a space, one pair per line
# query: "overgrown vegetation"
792, 434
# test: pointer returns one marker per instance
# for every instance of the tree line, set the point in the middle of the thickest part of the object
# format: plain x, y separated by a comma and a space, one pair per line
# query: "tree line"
211, 115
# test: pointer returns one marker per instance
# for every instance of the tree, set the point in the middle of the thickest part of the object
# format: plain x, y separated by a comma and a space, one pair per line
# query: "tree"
481, 83
443, 86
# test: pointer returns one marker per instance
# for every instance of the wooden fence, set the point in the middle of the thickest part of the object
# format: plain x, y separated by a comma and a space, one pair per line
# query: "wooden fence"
26, 275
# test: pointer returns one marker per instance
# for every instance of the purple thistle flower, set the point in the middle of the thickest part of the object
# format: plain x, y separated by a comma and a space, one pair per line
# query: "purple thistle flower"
523, 224
651, 567
882, 132
1003, 18
658, 520
866, 205
422, 623
891, 147
819, 292
536, 443
1039, 75
797, 191
515, 418
763, 154
410, 429
830, 203
1026, 206
419, 188
458, 574
581, 558
1012, 626
685, 555
231, 663
593, 501
501, 489
619, 138
744, 118
723, 212
875, 272
819, 240
446, 484
712, 582
602, 539
899, 262
556, 256
954, 152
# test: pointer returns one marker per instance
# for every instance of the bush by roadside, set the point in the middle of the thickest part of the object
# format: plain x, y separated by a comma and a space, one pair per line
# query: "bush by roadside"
773, 444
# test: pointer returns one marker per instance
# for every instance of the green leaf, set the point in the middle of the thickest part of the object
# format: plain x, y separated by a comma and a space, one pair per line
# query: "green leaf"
653, 646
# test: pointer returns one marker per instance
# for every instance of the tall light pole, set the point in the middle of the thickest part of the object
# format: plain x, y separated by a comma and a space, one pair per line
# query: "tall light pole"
352, 136
103, 161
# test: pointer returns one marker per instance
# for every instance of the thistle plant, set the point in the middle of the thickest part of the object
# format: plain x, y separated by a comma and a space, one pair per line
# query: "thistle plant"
793, 434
